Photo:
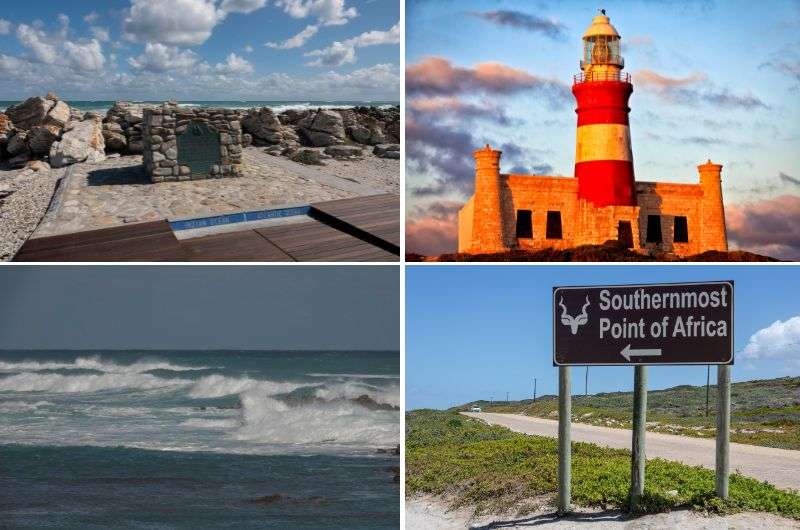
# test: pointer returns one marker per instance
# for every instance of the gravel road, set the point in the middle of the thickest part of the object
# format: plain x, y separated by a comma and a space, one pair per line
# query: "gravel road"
779, 467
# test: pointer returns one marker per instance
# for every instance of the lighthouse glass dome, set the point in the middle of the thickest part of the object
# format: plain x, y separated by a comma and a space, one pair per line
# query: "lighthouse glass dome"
601, 49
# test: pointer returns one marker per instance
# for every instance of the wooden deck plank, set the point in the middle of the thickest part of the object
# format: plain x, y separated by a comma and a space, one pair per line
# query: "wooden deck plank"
246, 245
102, 235
316, 241
157, 247
375, 219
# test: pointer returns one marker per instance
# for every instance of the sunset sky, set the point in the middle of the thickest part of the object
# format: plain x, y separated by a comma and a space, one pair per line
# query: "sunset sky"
718, 80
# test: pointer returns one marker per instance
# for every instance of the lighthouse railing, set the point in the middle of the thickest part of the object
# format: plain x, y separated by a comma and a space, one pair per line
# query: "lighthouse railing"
588, 77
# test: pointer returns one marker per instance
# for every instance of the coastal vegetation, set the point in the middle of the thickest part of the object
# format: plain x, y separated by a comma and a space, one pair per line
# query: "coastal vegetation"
496, 470
763, 412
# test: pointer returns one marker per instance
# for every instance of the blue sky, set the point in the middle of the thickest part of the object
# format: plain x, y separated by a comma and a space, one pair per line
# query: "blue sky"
712, 79
477, 332
201, 49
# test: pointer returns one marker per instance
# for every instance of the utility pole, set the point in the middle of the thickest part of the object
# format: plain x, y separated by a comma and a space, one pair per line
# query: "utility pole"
506, 398
534, 390
586, 383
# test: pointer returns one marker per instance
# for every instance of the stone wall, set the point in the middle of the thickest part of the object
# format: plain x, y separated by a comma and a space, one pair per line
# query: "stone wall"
164, 125
582, 223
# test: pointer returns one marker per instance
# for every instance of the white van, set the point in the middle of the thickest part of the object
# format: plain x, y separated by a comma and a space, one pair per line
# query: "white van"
475, 409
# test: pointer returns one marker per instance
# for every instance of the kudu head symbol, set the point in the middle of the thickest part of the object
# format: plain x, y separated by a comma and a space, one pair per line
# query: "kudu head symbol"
576, 321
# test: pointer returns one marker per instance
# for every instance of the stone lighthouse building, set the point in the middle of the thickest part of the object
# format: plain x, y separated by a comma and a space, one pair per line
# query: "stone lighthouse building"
603, 200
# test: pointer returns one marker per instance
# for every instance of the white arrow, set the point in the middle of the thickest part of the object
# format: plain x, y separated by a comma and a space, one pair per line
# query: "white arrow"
627, 352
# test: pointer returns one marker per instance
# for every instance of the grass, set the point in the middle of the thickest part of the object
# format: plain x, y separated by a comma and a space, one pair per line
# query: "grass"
764, 412
497, 470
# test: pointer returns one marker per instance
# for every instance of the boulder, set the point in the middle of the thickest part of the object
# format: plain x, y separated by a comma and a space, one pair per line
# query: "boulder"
247, 140
41, 137
30, 112
37, 165
83, 143
90, 115
387, 151
6, 125
19, 161
17, 144
59, 115
323, 128
292, 116
343, 151
263, 126
115, 142
307, 156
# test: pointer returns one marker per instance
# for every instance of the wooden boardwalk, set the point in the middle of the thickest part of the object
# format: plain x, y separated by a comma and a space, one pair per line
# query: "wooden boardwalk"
358, 229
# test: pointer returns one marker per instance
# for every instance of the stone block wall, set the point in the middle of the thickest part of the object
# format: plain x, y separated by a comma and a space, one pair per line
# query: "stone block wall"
162, 127
582, 223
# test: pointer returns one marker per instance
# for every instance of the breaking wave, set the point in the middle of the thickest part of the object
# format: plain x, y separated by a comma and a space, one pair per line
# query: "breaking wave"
57, 383
268, 420
214, 386
98, 364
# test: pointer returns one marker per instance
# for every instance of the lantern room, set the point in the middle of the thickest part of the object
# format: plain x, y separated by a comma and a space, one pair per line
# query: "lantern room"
601, 48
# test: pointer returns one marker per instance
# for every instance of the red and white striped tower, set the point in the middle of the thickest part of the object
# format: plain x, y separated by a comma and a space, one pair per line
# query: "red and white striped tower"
603, 157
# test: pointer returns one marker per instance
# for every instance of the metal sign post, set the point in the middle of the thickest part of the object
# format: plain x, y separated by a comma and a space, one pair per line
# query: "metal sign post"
723, 429
564, 439
640, 325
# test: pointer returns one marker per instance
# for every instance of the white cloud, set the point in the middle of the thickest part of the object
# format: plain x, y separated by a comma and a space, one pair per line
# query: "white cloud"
327, 12
248, 49
296, 41
340, 53
780, 340
160, 58
85, 56
241, 6
38, 43
182, 22
5, 27
234, 65
100, 33
91, 17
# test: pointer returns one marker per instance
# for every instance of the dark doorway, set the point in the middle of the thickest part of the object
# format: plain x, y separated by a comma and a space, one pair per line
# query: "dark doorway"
554, 225
654, 229
681, 230
524, 224
625, 234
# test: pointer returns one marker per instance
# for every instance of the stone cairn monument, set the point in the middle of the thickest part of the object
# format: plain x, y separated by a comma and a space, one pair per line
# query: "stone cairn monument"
191, 143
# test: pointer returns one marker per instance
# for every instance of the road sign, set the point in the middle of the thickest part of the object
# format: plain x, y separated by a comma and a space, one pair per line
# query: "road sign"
670, 323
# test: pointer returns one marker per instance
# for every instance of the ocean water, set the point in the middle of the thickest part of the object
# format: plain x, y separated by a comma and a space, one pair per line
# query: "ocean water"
199, 439
277, 106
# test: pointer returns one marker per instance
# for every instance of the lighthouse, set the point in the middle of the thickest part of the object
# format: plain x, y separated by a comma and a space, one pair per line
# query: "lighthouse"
602, 201
603, 157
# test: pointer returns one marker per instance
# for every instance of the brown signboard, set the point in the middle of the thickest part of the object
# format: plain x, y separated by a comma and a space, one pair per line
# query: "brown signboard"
677, 323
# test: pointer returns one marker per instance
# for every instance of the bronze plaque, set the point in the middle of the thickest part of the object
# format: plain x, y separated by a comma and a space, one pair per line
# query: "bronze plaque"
199, 148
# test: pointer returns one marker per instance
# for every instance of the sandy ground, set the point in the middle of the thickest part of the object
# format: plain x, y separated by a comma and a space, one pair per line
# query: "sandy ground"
117, 191
779, 467
431, 513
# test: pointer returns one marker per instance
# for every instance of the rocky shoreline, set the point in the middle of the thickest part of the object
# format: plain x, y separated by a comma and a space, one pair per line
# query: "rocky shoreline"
48, 129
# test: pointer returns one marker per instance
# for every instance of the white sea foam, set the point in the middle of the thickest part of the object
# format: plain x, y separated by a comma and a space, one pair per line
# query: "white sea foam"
354, 389
268, 420
98, 364
201, 423
22, 406
355, 376
214, 386
57, 383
